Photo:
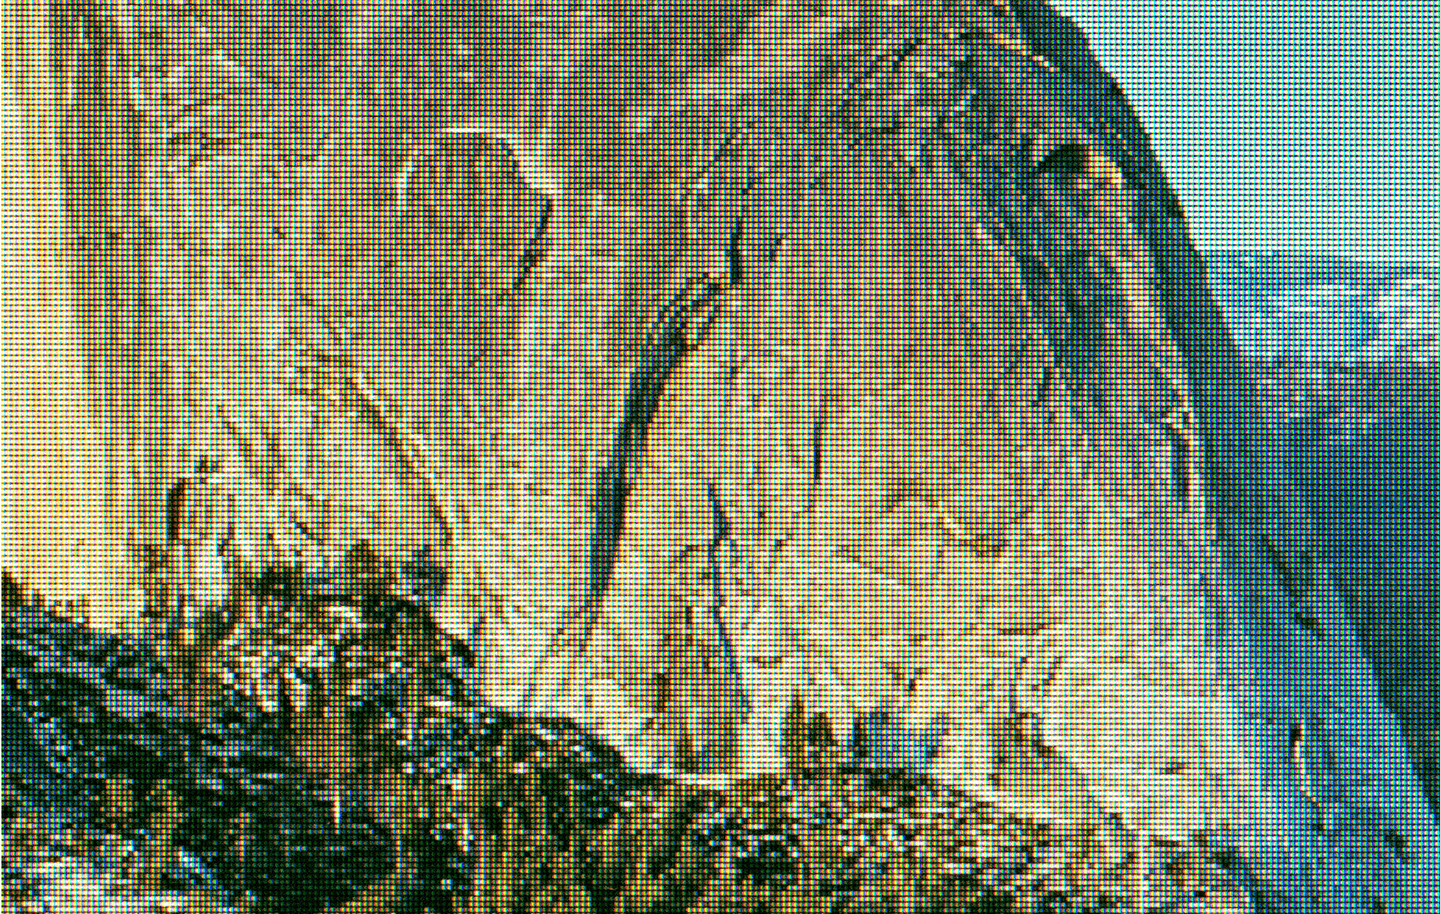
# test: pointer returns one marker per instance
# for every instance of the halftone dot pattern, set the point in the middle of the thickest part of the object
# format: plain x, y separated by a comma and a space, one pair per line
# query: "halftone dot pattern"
528, 457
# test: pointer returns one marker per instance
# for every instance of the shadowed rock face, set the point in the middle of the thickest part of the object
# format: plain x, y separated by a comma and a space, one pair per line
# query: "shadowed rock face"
728, 374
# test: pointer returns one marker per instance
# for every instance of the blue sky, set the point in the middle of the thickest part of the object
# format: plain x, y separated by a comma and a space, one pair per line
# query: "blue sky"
1297, 126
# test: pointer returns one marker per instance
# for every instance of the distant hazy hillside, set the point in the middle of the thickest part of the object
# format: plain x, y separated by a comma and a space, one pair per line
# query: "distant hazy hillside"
1313, 309
1347, 355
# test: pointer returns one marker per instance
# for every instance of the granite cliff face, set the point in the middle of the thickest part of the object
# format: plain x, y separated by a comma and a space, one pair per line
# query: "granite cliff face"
723, 380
